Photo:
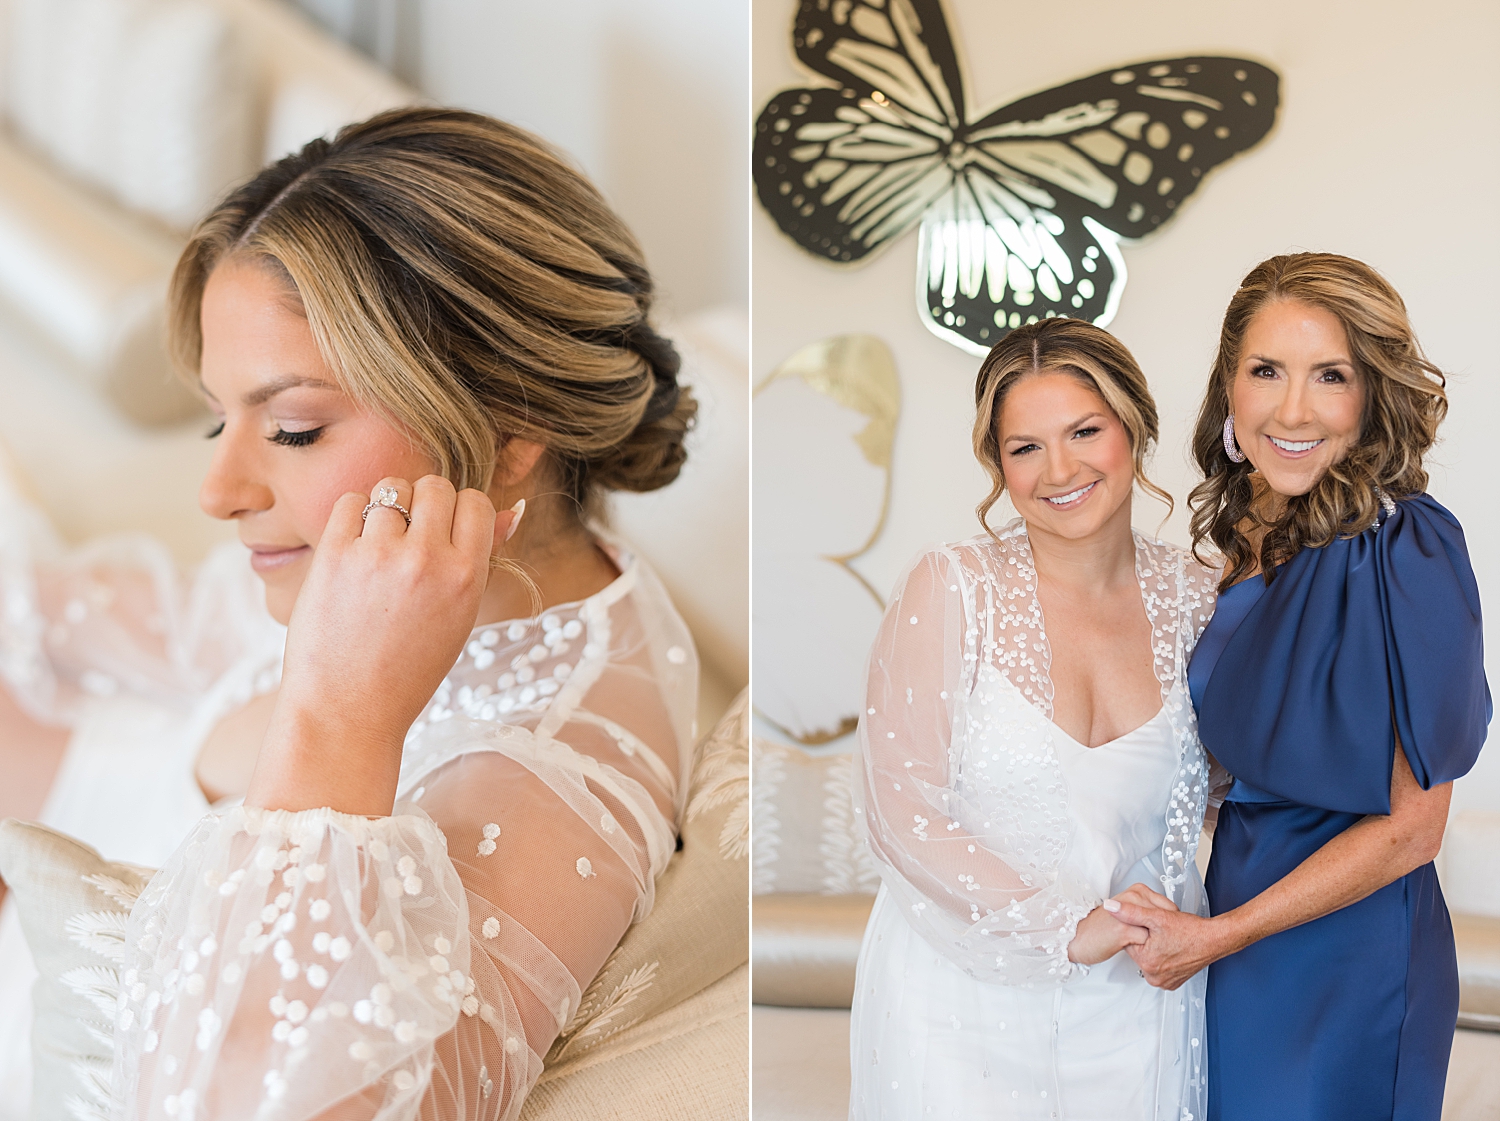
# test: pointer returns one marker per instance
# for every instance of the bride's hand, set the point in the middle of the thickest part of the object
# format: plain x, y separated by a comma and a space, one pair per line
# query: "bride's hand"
1101, 936
380, 619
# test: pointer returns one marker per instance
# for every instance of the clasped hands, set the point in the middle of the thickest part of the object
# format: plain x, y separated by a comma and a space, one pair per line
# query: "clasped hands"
1167, 945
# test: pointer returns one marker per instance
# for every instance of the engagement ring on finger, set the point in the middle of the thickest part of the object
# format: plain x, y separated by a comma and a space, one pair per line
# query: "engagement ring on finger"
386, 496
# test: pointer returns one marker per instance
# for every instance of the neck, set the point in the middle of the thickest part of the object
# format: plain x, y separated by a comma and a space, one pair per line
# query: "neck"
553, 559
1104, 559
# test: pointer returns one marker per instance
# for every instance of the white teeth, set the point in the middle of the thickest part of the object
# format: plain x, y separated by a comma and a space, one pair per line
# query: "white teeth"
1064, 499
1294, 445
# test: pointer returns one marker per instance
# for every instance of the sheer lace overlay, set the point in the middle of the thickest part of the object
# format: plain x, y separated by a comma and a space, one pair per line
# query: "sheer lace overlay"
317, 965
962, 792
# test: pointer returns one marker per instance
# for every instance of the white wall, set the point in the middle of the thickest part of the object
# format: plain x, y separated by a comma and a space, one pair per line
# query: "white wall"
648, 95
1386, 149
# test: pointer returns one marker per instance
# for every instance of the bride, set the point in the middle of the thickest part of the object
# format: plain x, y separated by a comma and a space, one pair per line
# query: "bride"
462, 778
1029, 752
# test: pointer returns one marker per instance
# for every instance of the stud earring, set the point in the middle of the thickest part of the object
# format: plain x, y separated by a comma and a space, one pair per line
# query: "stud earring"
1231, 449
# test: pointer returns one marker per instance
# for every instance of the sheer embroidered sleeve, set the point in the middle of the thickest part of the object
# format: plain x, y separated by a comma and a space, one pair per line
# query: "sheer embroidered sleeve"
116, 616
941, 723
421, 965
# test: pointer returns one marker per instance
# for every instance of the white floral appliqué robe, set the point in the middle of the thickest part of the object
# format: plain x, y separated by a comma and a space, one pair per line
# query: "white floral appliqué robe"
314, 964
996, 834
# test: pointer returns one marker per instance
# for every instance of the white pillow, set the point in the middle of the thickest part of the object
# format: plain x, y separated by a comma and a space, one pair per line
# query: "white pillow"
150, 100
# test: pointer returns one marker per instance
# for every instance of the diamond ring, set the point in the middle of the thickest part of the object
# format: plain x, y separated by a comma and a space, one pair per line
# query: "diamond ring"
386, 496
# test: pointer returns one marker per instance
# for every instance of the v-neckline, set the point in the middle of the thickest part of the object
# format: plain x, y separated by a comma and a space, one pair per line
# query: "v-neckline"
1137, 543
1160, 712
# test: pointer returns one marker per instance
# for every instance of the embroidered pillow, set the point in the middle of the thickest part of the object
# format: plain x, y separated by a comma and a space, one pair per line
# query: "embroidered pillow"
73, 905
698, 931
807, 837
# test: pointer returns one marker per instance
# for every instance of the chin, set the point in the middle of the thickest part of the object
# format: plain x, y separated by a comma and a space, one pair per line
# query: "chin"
1293, 485
279, 603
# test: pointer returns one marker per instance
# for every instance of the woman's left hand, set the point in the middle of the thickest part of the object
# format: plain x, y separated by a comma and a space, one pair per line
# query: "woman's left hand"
1178, 945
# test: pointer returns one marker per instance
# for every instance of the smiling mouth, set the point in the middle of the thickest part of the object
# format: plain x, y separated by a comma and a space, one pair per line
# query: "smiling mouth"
1072, 497
1294, 446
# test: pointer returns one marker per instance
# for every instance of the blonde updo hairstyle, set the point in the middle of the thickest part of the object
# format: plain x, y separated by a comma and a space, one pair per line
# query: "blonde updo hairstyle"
1405, 401
461, 278
1080, 350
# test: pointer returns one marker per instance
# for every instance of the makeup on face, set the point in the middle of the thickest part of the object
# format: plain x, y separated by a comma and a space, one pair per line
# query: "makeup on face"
289, 442
1066, 456
1297, 396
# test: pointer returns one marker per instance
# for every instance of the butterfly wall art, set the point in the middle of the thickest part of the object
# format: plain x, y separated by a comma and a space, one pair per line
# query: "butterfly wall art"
1020, 211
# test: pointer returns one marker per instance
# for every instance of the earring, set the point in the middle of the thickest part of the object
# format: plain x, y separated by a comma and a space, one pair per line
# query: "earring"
1231, 449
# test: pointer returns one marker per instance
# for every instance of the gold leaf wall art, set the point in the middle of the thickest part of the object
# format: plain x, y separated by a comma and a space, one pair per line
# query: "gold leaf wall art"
824, 427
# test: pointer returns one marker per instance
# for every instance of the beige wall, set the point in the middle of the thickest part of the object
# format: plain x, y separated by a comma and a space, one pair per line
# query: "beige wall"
1386, 149
648, 95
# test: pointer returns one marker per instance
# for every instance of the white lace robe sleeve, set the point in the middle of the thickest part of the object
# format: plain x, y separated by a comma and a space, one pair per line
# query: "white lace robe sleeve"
984, 888
116, 616
317, 965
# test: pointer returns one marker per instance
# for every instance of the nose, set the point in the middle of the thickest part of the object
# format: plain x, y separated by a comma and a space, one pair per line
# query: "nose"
229, 489
1294, 408
1062, 464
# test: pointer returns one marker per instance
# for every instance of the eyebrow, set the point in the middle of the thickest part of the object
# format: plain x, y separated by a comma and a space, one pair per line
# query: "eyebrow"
261, 394
1279, 364
1077, 424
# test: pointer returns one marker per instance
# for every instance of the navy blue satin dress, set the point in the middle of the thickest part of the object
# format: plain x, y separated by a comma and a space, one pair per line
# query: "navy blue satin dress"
1301, 689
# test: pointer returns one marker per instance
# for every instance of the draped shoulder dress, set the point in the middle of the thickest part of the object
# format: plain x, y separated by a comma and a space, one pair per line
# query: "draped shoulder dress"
1305, 688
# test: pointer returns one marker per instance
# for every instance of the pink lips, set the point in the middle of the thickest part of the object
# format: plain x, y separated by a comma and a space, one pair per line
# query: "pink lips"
1287, 453
265, 559
1082, 498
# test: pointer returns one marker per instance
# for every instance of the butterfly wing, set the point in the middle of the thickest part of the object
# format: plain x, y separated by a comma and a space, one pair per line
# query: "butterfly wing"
846, 171
843, 178
989, 260
897, 52
1031, 225
1127, 146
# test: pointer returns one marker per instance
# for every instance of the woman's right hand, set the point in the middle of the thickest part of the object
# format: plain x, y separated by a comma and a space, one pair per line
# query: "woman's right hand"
1101, 936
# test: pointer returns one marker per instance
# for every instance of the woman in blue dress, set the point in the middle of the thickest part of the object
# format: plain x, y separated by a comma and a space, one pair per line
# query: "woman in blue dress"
1341, 682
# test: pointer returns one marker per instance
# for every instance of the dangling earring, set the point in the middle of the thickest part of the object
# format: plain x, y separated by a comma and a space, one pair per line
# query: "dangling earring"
1231, 449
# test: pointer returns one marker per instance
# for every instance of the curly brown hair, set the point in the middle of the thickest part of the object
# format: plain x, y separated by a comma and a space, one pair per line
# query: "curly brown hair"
1080, 350
1405, 401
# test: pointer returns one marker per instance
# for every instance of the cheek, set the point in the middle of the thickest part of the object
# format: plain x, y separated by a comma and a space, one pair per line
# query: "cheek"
1114, 458
1346, 418
1021, 473
360, 461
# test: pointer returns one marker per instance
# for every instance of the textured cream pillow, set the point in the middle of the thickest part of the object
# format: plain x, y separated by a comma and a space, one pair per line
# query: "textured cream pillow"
73, 905
149, 100
807, 836
698, 931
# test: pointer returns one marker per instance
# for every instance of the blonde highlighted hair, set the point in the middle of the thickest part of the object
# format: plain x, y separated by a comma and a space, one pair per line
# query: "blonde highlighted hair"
465, 281
1080, 350
1404, 402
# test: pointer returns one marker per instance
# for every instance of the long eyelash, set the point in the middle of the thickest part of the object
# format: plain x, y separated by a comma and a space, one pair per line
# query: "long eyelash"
218, 428
295, 439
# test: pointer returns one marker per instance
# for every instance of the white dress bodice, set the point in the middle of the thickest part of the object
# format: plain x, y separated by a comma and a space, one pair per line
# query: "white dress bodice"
997, 833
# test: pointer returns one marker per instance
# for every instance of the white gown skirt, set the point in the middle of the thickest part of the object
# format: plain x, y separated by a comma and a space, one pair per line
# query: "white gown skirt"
929, 1041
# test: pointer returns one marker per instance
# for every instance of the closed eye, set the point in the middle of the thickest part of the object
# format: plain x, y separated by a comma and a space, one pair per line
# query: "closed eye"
217, 430
295, 439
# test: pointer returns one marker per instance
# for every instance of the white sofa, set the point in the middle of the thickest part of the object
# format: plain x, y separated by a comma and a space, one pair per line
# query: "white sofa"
122, 121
